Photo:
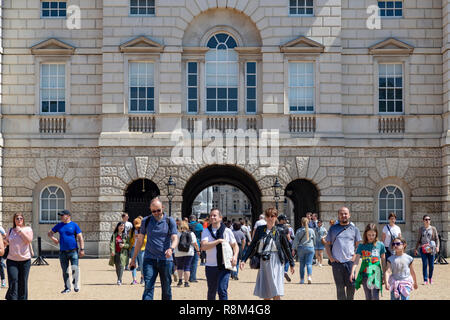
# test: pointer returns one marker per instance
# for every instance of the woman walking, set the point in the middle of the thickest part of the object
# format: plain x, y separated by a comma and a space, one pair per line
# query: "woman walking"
184, 253
304, 245
119, 245
18, 262
140, 256
428, 242
390, 231
321, 233
272, 246
373, 263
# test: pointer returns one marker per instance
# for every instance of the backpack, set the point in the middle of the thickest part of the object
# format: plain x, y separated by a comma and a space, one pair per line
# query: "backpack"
185, 242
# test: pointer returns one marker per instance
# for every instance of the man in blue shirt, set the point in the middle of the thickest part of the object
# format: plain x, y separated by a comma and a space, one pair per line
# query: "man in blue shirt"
162, 239
197, 229
342, 239
69, 233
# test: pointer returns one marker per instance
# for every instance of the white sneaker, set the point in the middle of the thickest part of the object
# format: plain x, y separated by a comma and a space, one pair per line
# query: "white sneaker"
320, 265
119, 283
309, 280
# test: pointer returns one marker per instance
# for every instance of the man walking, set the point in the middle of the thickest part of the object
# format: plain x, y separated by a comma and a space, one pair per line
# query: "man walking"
162, 239
69, 234
212, 239
197, 229
342, 239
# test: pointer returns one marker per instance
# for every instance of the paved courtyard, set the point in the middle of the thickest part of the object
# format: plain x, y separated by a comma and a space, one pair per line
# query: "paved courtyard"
98, 282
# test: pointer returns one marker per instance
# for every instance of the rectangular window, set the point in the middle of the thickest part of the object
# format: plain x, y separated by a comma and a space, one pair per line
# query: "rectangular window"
390, 8
301, 87
390, 88
52, 88
250, 87
192, 87
222, 85
53, 9
142, 88
301, 7
142, 7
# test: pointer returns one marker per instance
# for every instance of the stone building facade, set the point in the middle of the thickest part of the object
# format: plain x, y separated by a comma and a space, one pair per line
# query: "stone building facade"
368, 128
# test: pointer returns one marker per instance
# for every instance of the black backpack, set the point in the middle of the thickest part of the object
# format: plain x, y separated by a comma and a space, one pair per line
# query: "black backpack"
185, 242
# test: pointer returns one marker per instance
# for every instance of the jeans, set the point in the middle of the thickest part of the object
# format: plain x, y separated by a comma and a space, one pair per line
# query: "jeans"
402, 297
151, 269
235, 273
64, 259
427, 259
119, 266
371, 294
194, 265
18, 272
217, 282
341, 274
139, 260
305, 255
2, 272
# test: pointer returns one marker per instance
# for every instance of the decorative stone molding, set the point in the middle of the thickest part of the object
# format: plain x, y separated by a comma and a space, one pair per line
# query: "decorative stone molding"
302, 45
141, 44
52, 47
391, 46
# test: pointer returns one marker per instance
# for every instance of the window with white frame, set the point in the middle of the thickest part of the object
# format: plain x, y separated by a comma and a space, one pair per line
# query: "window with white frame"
250, 87
390, 8
142, 7
301, 7
141, 87
222, 74
53, 9
391, 199
192, 87
301, 87
52, 201
52, 88
390, 88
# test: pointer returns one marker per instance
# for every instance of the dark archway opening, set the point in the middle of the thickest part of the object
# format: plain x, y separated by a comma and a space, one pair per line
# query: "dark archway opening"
304, 196
138, 196
220, 175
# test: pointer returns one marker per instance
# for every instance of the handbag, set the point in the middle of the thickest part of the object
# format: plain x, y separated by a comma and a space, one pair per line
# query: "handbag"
428, 247
255, 262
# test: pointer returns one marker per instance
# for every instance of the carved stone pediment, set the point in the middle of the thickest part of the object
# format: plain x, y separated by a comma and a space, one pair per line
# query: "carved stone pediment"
52, 47
141, 44
391, 46
302, 45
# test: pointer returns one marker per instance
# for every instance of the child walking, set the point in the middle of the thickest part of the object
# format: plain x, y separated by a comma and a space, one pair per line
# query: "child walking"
402, 278
373, 263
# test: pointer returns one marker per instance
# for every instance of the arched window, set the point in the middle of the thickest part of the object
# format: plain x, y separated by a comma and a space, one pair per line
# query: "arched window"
222, 70
391, 199
52, 200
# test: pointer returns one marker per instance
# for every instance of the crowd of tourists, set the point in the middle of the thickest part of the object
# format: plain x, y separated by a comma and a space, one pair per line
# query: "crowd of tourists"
172, 248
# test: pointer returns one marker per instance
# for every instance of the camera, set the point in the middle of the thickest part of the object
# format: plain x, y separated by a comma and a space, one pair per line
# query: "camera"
265, 256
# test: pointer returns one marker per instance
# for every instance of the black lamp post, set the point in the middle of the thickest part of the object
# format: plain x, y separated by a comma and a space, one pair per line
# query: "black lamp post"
170, 190
277, 189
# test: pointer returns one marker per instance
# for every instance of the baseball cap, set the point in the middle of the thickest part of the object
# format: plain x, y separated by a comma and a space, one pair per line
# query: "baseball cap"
61, 213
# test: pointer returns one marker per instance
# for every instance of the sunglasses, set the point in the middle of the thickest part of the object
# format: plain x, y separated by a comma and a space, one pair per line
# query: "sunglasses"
19, 218
155, 211
395, 244
427, 219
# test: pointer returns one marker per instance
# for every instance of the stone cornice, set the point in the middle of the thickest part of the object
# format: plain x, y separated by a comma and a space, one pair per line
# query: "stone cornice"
52, 47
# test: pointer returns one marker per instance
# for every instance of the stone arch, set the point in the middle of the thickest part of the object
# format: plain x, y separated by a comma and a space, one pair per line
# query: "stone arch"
41, 230
216, 19
305, 197
405, 188
138, 195
227, 174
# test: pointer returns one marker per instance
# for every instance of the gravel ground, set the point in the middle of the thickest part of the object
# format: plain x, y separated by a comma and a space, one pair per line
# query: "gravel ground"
98, 282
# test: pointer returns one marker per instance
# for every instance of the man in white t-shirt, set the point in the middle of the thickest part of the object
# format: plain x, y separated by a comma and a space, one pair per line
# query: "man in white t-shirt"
260, 222
211, 242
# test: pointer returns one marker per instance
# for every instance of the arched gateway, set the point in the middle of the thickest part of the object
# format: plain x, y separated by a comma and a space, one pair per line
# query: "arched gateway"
222, 174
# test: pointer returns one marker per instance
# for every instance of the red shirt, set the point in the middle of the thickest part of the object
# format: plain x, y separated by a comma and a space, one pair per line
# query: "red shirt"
118, 241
